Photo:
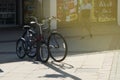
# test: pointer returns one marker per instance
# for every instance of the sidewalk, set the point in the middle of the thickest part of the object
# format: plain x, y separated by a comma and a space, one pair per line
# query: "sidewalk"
115, 70
87, 66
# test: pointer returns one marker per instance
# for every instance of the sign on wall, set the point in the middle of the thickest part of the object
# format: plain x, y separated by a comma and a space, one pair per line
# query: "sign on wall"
102, 10
105, 10
67, 10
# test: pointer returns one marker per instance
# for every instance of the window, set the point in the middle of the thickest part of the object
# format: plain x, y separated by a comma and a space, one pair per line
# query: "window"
7, 12
102, 10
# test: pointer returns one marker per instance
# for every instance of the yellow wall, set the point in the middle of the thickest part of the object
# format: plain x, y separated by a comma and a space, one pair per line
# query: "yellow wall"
118, 13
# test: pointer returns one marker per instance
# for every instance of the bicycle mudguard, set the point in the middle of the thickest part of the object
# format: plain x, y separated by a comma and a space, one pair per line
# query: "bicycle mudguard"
31, 31
22, 38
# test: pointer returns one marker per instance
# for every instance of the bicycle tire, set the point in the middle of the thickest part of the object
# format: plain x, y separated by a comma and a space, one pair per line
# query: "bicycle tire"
33, 47
20, 47
43, 54
54, 42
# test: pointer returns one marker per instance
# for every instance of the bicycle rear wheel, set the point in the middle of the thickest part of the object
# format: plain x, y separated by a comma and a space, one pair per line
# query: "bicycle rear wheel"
20, 48
57, 47
43, 54
32, 45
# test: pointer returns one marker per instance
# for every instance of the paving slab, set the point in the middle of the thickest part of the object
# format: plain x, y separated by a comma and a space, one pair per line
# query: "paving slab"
87, 66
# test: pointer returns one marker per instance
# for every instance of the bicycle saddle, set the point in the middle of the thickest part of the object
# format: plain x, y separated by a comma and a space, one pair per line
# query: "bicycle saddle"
26, 27
32, 22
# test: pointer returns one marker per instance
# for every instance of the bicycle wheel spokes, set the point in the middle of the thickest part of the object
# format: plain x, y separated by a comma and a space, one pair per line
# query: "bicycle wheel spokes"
20, 48
57, 47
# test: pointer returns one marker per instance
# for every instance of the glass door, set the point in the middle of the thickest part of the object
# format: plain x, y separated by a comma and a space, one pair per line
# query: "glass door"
7, 12
29, 8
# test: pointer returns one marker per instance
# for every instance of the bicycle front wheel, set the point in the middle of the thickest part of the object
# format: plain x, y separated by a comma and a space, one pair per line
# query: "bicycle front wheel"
20, 48
43, 54
57, 47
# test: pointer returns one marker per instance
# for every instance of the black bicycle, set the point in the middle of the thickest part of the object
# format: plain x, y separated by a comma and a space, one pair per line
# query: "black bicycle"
25, 45
57, 46
32, 42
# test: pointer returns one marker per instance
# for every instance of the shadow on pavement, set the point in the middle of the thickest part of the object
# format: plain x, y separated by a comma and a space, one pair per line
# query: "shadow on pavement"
9, 57
1, 71
58, 68
62, 65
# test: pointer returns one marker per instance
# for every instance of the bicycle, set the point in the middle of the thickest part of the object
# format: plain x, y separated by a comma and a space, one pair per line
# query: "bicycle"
24, 45
32, 39
51, 43
57, 46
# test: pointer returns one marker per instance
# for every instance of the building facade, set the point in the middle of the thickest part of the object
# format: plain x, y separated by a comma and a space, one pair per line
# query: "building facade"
68, 10
118, 12
14, 12
102, 10
10, 13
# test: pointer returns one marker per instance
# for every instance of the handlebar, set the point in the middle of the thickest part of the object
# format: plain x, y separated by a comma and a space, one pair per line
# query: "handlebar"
46, 22
35, 19
48, 19
52, 18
